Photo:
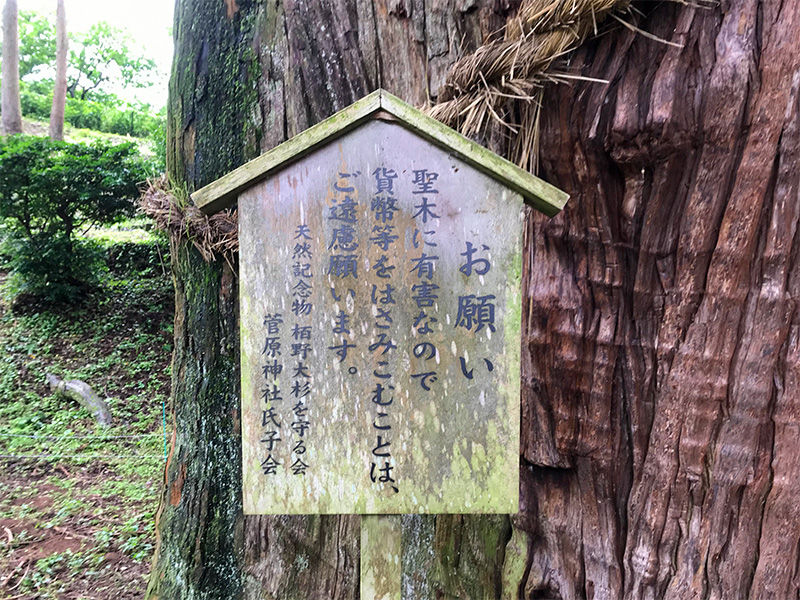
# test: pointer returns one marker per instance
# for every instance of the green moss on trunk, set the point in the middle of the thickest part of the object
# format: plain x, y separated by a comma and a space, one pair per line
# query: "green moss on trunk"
198, 553
212, 99
213, 91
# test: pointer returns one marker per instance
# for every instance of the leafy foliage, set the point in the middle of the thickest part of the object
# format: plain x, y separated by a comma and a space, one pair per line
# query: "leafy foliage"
36, 99
102, 55
135, 258
51, 269
48, 191
37, 44
51, 188
101, 60
107, 114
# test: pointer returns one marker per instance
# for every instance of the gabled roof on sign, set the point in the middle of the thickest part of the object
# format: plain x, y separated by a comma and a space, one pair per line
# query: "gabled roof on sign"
381, 105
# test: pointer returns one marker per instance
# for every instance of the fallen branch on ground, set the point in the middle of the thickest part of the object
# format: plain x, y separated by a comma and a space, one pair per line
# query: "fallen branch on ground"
83, 394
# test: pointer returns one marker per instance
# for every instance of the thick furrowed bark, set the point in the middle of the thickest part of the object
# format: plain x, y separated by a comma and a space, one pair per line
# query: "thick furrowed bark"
687, 274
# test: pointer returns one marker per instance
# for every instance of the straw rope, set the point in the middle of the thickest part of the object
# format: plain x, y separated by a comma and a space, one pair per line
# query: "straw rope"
480, 86
212, 236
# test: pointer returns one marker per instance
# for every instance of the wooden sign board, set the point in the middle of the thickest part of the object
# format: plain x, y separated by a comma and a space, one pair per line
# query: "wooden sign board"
380, 289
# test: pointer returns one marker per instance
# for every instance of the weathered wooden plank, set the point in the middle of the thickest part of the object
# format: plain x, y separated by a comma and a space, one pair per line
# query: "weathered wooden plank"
542, 196
419, 413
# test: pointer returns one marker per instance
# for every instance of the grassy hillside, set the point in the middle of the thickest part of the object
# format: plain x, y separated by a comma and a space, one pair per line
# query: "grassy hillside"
77, 500
75, 134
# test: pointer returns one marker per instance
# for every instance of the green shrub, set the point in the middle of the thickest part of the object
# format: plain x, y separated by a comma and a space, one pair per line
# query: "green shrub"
49, 191
158, 144
54, 270
148, 259
86, 115
105, 113
34, 104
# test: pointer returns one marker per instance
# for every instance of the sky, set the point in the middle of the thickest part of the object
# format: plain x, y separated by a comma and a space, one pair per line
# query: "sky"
148, 21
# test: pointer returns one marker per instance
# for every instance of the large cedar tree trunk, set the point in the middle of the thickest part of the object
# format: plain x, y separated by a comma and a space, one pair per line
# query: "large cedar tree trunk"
11, 118
661, 341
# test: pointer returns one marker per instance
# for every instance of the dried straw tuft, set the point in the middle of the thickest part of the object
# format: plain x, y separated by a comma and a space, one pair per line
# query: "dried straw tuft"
479, 88
174, 214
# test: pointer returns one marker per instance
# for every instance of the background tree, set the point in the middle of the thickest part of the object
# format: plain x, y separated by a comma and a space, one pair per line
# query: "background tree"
102, 85
104, 55
660, 336
101, 56
60, 86
11, 119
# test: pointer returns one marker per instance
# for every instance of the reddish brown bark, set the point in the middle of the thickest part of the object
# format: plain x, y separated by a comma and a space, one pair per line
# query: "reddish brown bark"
662, 315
